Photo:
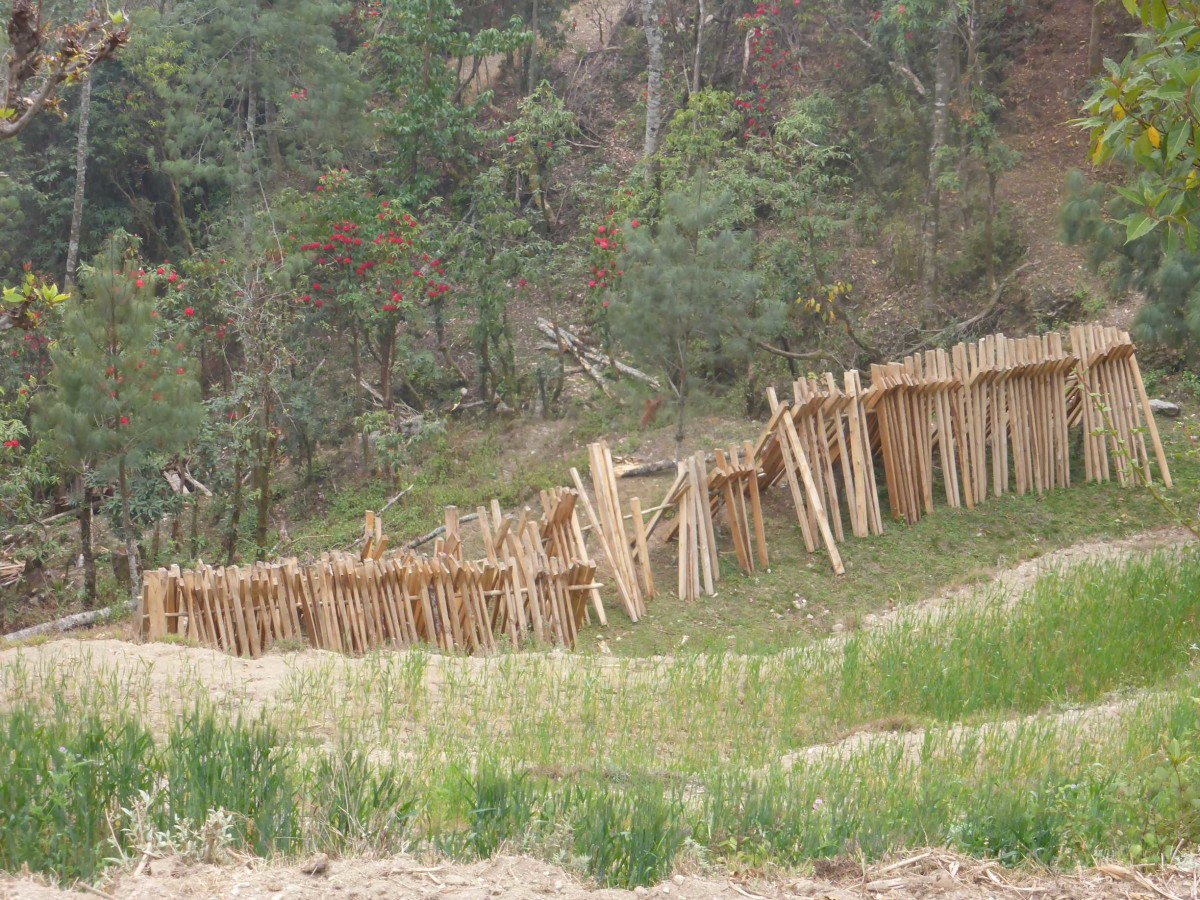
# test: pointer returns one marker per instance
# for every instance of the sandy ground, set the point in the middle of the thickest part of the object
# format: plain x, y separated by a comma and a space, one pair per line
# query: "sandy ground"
926, 874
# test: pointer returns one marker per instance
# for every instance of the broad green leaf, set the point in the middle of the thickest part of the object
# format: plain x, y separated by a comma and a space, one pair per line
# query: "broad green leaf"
1138, 226
1178, 140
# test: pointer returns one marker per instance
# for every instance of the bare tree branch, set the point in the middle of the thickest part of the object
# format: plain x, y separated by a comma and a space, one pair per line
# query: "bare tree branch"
37, 63
896, 66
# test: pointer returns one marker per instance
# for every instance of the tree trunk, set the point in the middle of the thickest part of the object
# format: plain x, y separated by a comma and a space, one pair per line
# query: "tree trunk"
86, 548
81, 155
1095, 55
356, 358
939, 131
680, 419
989, 244
181, 222
531, 71
235, 515
681, 393
194, 543
262, 483
387, 348
699, 45
131, 549
654, 71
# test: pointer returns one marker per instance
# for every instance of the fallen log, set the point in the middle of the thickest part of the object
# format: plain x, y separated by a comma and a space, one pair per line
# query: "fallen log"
567, 342
578, 349
67, 623
437, 532
650, 468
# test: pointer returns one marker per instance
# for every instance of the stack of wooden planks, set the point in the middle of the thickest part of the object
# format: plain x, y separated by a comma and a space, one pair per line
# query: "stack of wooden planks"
607, 521
795, 457
982, 418
1114, 408
698, 566
352, 605
993, 416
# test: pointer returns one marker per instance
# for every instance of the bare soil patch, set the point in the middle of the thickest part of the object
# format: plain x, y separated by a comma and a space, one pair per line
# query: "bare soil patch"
920, 875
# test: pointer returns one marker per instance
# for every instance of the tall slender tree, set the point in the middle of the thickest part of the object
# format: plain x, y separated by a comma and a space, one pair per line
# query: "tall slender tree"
120, 387
687, 293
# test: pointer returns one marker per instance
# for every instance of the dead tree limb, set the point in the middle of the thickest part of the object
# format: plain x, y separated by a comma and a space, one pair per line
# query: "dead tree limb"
437, 532
959, 327
574, 349
67, 623
577, 348
388, 505
896, 66
809, 356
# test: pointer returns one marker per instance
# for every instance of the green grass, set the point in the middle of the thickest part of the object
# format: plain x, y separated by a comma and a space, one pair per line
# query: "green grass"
800, 597
614, 767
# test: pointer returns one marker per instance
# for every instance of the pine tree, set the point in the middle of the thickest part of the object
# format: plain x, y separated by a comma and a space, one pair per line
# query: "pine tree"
687, 293
120, 387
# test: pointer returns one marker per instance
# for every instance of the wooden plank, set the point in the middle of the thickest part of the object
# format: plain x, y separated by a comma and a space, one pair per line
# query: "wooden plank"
835, 558
153, 611
643, 551
609, 554
1164, 470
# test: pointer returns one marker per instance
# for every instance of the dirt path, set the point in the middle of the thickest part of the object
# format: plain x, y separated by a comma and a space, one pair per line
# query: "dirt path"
1008, 584
923, 874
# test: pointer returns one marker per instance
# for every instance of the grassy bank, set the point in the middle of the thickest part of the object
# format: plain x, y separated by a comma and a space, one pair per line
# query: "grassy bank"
616, 767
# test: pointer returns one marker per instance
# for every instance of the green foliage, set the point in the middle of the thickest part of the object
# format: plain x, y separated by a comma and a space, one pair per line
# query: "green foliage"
432, 128
688, 291
1028, 654
1167, 277
306, 97
63, 786
1141, 114
121, 387
200, 755
502, 809
628, 839
365, 806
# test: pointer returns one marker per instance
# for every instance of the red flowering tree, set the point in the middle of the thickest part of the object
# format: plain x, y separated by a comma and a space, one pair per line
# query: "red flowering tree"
120, 387
374, 269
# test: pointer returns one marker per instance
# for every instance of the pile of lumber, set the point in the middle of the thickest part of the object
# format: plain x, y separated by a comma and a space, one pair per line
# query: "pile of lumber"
814, 493
983, 418
10, 572
699, 568
730, 484
1113, 407
980, 419
353, 605
606, 520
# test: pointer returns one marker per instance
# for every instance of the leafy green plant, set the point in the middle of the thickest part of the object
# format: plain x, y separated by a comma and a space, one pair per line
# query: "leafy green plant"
362, 806
64, 783
201, 755
627, 839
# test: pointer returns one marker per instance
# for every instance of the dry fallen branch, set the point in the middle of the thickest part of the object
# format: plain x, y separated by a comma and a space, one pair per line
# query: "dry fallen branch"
581, 351
67, 623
